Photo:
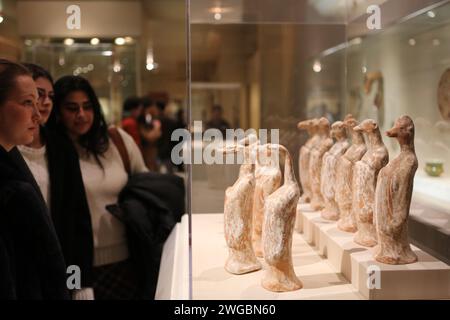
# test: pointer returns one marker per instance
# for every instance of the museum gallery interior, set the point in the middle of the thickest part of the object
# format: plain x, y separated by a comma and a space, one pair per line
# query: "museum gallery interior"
284, 150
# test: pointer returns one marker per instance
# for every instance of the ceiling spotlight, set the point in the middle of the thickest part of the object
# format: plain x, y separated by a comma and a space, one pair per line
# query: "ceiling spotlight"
412, 42
119, 41
436, 42
107, 53
217, 16
117, 67
69, 41
431, 14
95, 41
317, 66
1, 18
355, 41
151, 66
364, 69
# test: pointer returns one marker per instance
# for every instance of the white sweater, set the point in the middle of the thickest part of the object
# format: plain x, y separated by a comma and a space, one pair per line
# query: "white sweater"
102, 188
36, 160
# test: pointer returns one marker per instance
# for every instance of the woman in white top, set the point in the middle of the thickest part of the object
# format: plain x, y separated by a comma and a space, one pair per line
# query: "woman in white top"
77, 112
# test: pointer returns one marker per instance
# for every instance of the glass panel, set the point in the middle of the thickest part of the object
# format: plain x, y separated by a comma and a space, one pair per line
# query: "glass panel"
259, 61
269, 65
110, 69
404, 70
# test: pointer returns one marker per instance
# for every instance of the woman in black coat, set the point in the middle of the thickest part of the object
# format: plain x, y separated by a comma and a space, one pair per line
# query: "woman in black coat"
64, 189
31, 260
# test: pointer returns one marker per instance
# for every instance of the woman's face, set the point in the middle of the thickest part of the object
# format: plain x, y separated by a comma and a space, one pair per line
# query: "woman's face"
77, 113
46, 94
19, 115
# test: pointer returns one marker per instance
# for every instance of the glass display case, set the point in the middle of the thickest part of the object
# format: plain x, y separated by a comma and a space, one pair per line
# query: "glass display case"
271, 64
110, 68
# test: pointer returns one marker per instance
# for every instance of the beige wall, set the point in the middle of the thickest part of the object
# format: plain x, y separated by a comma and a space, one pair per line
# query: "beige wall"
98, 18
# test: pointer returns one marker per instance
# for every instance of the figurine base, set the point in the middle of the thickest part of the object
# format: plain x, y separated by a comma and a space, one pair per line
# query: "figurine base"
239, 262
281, 279
210, 281
347, 224
395, 253
357, 264
329, 215
366, 235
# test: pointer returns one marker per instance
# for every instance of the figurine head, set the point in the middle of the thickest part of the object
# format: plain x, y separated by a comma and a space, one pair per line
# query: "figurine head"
402, 129
323, 124
249, 140
368, 125
348, 116
350, 122
338, 130
305, 124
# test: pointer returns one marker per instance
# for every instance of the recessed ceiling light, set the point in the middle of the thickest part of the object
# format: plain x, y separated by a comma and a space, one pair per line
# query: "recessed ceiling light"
69, 41
412, 42
119, 41
107, 53
431, 14
317, 66
151, 66
217, 16
95, 41
436, 42
1, 19
117, 67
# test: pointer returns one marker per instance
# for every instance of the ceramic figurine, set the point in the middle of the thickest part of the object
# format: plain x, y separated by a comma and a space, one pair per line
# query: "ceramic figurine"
279, 212
315, 162
268, 179
304, 156
328, 175
393, 198
238, 216
365, 181
344, 176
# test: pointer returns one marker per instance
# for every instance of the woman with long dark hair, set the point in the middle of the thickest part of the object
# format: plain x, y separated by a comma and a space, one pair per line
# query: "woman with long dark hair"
52, 161
77, 113
31, 262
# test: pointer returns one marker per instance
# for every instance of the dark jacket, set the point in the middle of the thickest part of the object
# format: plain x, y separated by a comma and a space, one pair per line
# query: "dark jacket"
150, 205
68, 204
30, 255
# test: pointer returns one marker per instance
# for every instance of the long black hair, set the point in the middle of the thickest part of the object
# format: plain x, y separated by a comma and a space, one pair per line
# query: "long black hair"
95, 141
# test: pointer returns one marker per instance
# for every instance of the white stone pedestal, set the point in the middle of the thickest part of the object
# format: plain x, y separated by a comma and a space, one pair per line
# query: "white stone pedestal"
428, 278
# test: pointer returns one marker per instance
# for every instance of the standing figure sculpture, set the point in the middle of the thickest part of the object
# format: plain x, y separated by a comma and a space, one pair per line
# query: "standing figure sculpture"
328, 175
238, 216
304, 156
393, 198
344, 176
365, 181
268, 179
279, 212
315, 162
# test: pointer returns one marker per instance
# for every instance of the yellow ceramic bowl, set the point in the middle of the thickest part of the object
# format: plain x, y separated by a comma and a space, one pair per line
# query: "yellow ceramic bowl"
434, 169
